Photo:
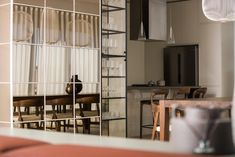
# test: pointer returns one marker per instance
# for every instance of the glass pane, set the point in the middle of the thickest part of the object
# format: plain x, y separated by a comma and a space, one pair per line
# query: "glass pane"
89, 125
63, 4
113, 87
28, 24
87, 6
88, 113
59, 125
113, 109
59, 26
26, 59
57, 64
5, 63
86, 66
117, 128
117, 3
39, 3
112, 21
2, 2
5, 24
113, 67
86, 31
28, 106
59, 108
114, 117
114, 45
28, 112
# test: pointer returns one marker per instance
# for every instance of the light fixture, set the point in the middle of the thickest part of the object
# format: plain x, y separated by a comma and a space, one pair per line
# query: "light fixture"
171, 38
219, 10
142, 35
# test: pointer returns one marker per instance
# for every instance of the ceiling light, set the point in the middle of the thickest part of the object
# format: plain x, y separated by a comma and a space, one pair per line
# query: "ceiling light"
219, 10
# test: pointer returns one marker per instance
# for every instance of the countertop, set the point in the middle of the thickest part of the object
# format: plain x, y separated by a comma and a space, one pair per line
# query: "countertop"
146, 87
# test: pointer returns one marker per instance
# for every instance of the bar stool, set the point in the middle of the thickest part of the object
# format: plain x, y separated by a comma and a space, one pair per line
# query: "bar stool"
179, 93
162, 94
200, 92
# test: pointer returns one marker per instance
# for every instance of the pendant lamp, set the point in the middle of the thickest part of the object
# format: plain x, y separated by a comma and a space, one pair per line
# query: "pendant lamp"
171, 38
219, 10
141, 35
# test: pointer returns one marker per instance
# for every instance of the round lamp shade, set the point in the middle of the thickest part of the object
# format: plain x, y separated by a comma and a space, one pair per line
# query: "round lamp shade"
219, 10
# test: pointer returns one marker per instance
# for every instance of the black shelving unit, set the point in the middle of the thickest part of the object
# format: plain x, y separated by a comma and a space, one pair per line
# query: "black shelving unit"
113, 69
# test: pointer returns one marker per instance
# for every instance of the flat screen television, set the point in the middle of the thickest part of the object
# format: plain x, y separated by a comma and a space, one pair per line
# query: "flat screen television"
181, 65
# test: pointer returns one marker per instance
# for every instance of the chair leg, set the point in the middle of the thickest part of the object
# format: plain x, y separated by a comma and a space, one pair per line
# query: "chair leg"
64, 125
22, 125
37, 125
141, 120
156, 115
58, 125
76, 125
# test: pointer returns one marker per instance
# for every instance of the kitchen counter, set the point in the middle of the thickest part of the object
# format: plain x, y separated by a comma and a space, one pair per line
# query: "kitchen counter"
146, 87
140, 92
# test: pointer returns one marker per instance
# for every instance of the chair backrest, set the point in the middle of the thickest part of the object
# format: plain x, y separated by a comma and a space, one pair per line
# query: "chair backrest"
159, 92
199, 93
182, 91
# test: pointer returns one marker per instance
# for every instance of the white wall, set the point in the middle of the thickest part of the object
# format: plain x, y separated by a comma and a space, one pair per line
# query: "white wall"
227, 59
154, 61
135, 59
190, 26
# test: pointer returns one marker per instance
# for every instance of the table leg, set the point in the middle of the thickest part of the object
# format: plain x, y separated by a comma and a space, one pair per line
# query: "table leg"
141, 116
164, 122
86, 122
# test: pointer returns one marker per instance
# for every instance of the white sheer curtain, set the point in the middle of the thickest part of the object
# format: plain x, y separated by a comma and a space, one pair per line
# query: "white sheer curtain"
23, 31
55, 59
63, 62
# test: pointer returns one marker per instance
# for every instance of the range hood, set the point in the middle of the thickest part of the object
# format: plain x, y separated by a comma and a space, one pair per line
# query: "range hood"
148, 20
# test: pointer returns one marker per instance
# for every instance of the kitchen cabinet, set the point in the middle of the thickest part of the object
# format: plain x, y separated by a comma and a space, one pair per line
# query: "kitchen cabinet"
153, 15
181, 65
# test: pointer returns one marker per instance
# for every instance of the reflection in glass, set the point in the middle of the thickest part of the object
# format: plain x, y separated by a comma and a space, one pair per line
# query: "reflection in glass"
50, 46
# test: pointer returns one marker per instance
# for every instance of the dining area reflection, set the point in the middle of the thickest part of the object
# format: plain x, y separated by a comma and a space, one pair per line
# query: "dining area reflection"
60, 113
55, 68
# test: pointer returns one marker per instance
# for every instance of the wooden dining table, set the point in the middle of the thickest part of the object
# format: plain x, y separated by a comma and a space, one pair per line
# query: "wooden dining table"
87, 107
166, 105
49, 97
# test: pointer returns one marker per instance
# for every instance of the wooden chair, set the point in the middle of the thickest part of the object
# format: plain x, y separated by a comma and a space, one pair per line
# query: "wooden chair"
86, 113
181, 93
29, 118
59, 117
199, 93
156, 108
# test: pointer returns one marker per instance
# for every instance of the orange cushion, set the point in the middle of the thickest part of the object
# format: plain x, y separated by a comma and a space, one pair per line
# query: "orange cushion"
8, 143
84, 151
